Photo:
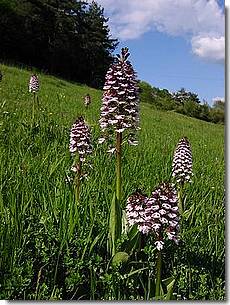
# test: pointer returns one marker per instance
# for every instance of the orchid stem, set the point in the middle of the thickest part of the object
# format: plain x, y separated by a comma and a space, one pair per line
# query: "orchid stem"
77, 188
158, 275
78, 182
118, 165
33, 108
115, 213
180, 200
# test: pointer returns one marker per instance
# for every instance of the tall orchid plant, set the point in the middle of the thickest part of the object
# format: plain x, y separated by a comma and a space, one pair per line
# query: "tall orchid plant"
119, 115
34, 88
80, 146
182, 168
157, 215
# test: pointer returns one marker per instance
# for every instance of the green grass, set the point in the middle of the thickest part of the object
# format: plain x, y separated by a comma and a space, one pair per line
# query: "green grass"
47, 252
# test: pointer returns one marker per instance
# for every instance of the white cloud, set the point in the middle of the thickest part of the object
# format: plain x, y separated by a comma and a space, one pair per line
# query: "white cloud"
200, 20
210, 48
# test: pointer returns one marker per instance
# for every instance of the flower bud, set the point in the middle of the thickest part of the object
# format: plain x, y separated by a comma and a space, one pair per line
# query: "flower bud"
120, 103
163, 204
182, 162
158, 214
33, 84
80, 139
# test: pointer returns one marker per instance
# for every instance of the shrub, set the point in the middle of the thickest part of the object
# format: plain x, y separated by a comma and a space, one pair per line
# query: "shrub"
146, 93
217, 115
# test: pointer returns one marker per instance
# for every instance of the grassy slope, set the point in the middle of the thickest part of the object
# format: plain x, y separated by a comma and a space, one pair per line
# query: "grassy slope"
34, 166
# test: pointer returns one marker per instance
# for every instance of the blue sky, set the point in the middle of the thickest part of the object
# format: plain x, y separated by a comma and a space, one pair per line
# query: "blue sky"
173, 43
168, 62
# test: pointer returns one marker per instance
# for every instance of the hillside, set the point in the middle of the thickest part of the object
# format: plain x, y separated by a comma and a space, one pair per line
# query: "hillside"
38, 233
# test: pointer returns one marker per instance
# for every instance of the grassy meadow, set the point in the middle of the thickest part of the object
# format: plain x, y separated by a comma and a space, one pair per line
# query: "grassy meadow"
51, 250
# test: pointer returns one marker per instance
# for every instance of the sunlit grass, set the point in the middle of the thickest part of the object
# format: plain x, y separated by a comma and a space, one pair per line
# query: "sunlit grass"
46, 252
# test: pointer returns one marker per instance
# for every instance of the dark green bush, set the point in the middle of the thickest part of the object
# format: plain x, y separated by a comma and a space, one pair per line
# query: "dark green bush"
183, 102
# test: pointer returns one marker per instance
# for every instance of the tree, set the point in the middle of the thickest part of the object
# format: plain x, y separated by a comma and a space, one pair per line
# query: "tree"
205, 112
217, 115
69, 38
96, 44
182, 96
146, 93
219, 104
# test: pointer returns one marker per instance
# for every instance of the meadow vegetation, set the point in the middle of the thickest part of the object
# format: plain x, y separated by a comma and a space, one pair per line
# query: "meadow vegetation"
52, 248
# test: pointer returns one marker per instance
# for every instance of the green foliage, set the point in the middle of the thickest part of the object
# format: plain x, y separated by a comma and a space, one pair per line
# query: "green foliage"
219, 104
46, 254
217, 115
183, 102
204, 112
160, 99
115, 221
190, 108
119, 258
217, 112
146, 93
182, 97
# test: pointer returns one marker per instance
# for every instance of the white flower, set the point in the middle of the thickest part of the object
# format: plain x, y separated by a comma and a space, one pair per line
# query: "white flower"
134, 143
162, 212
111, 150
156, 226
101, 140
120, 130
159, 245
166, 205
156, 215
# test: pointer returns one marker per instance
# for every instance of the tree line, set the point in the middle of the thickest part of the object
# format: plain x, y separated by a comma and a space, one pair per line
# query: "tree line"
68, 38
182, 101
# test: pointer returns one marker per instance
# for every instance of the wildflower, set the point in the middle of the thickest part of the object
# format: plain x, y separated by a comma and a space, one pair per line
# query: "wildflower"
182, 162
87, 100
101, 140
33, 84
159, 245
120, 103
80, 139
158, 214
164, 202
119, 114
136, 212
111, 150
